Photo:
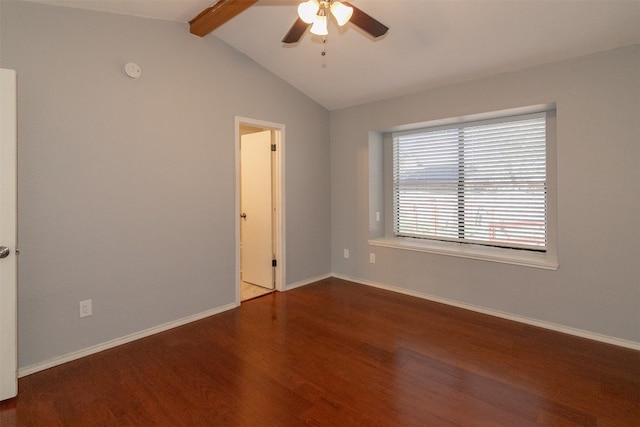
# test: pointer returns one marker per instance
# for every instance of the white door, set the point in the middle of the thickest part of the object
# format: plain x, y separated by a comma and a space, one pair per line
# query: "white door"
256, 206
8, 267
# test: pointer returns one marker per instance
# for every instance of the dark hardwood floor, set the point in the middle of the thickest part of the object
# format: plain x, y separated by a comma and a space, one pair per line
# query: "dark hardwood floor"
336, 353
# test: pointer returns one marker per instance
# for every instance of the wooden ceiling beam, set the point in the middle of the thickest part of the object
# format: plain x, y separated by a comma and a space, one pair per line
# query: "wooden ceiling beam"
216, 15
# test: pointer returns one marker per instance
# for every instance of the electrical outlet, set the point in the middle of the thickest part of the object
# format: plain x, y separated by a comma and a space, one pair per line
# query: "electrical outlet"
378, 216
346, 253
85, 308
372, 258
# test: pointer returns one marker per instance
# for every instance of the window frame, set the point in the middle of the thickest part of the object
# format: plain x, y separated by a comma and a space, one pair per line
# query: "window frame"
545, 260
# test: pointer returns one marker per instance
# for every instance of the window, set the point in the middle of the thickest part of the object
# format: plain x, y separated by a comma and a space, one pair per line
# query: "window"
482, 182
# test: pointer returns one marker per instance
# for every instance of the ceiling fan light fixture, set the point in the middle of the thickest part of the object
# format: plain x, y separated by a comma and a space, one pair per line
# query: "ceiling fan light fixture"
341, 12
308, 10
319, 27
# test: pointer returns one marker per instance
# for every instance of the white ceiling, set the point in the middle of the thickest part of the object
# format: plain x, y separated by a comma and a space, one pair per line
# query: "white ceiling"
429, 44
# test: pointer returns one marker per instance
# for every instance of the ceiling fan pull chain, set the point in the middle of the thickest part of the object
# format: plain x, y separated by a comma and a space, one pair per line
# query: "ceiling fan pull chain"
324, 45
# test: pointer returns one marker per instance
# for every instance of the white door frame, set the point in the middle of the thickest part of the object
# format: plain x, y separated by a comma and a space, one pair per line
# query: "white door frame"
278, 170
8, 222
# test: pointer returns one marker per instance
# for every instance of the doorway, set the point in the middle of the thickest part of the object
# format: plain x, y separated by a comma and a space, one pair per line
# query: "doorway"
259, 207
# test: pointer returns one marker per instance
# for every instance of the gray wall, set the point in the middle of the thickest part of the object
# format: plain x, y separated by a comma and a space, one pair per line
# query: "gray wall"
126, 187
597, 287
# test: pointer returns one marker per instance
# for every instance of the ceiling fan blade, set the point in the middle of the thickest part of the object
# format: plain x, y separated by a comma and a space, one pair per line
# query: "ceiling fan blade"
296, 31
216, 15
366, 22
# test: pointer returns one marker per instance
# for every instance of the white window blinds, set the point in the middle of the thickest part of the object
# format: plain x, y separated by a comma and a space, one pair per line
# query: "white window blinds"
476, 182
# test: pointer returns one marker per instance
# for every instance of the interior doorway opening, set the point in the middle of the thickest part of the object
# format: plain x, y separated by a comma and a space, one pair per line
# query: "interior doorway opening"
259, 208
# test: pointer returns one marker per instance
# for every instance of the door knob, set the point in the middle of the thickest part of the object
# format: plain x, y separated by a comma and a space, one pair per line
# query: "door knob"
4, 251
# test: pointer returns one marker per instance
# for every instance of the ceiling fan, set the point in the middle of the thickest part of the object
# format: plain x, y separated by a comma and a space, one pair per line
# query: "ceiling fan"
312, 13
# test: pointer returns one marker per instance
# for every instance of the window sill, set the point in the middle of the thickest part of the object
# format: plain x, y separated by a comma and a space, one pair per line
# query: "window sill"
506, 256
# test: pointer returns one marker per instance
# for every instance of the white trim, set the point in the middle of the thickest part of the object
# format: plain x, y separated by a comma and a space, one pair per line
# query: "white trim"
496, 313
8, 221
279, 232
491, 115
308, 281
31, 369
507, 256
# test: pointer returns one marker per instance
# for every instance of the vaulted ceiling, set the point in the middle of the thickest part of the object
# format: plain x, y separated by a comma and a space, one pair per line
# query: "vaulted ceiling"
429, 44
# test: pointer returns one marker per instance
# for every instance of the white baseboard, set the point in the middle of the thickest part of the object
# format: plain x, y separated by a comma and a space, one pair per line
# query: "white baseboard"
31, 369
27, 370
521, 319
307, 282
